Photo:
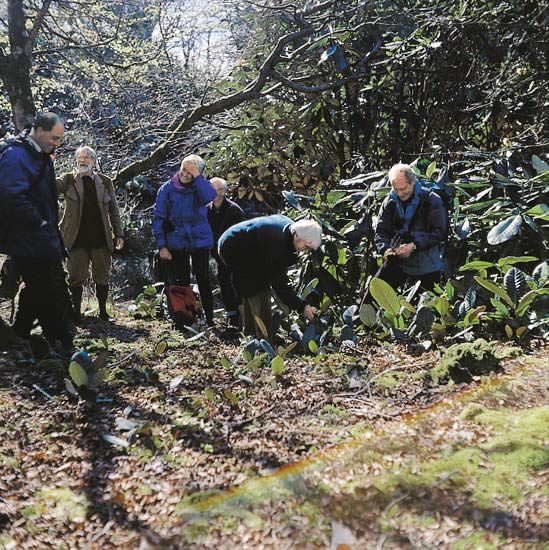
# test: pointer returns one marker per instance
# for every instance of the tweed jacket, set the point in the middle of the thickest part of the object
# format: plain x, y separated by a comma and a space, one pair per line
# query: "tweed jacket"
72, 188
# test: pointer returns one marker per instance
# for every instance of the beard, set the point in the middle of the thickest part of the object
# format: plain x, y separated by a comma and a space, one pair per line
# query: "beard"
85, 168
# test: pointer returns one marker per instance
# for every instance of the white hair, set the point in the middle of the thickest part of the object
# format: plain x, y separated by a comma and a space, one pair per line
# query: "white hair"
405, 169
308, 230
220, 181
196, 160
88, 150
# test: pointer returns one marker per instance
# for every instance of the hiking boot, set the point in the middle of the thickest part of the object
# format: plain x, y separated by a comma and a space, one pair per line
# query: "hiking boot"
102, 292
76, 298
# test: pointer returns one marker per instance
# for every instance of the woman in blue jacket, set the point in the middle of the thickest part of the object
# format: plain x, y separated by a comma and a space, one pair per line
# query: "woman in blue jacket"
181, 228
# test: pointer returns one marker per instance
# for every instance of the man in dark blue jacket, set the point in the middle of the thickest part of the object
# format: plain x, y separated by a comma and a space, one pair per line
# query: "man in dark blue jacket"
258, 253
410, 232
29, 232
222, 214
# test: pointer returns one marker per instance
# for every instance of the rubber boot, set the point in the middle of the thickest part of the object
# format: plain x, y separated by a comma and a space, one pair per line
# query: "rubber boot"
102, 292
76, 298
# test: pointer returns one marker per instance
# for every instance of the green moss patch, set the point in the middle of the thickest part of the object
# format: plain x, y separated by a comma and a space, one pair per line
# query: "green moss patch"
461, 362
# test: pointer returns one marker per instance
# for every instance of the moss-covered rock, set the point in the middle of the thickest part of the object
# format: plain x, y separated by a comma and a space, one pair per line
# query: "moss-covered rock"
460, 362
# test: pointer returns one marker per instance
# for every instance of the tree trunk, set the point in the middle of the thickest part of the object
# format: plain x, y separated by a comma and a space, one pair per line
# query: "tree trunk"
16, 80
15, 67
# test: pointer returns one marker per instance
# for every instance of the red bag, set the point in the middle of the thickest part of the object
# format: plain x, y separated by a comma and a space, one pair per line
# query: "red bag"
181, 305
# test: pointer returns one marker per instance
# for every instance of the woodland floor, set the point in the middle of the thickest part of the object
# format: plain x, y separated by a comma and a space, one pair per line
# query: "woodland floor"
355, 449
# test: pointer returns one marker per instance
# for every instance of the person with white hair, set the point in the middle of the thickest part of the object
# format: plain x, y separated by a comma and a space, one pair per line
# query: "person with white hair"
222, 214
182, 231
258, 253
91, 228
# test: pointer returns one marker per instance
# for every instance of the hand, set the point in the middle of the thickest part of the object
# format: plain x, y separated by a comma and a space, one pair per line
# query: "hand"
165, 253
309, 312
119, 243
405, 250
191, 168
388, 253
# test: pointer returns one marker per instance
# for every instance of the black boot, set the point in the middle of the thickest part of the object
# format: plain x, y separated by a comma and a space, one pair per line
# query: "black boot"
76, 298
102, 292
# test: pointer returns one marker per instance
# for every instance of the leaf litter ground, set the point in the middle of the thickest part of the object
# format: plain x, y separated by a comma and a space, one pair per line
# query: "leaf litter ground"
208, 454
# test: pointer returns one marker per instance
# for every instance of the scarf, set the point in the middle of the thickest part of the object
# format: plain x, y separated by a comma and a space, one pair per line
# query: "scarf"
177, 182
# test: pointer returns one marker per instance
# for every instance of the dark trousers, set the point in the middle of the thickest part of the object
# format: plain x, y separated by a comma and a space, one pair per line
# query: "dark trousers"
230, 299
258, 308
44, 297
391, 273
180, 269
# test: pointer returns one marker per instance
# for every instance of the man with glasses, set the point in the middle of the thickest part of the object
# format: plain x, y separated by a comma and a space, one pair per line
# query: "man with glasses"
258, 253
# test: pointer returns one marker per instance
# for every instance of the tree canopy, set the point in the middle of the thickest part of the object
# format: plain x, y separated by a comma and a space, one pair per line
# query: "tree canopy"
339, 85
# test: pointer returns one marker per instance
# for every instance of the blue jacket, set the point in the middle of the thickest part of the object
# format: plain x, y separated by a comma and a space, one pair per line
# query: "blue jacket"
28, 197
180, 219
427, 231
258, 253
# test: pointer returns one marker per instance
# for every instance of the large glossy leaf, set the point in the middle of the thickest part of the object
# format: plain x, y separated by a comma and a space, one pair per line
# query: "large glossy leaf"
515, 284
78, 374
476, 266
495, 289
505, 230
368, 315
463, 229
349, 314
512, 260
384, 294
538, 210
527, 299
540, 273
472, 317
539, 165
468, 301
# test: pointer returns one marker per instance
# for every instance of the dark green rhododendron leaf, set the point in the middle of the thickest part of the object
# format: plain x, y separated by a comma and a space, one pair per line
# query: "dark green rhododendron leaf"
515, 284
468, 301
540, 272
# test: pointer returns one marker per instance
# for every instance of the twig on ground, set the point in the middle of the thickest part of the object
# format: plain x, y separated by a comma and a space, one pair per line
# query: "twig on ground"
43, 392
123, 359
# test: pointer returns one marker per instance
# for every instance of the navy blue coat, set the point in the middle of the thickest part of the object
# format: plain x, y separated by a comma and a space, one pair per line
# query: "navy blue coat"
180, 220
222, 218
427, 230
258, 253
28, 197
